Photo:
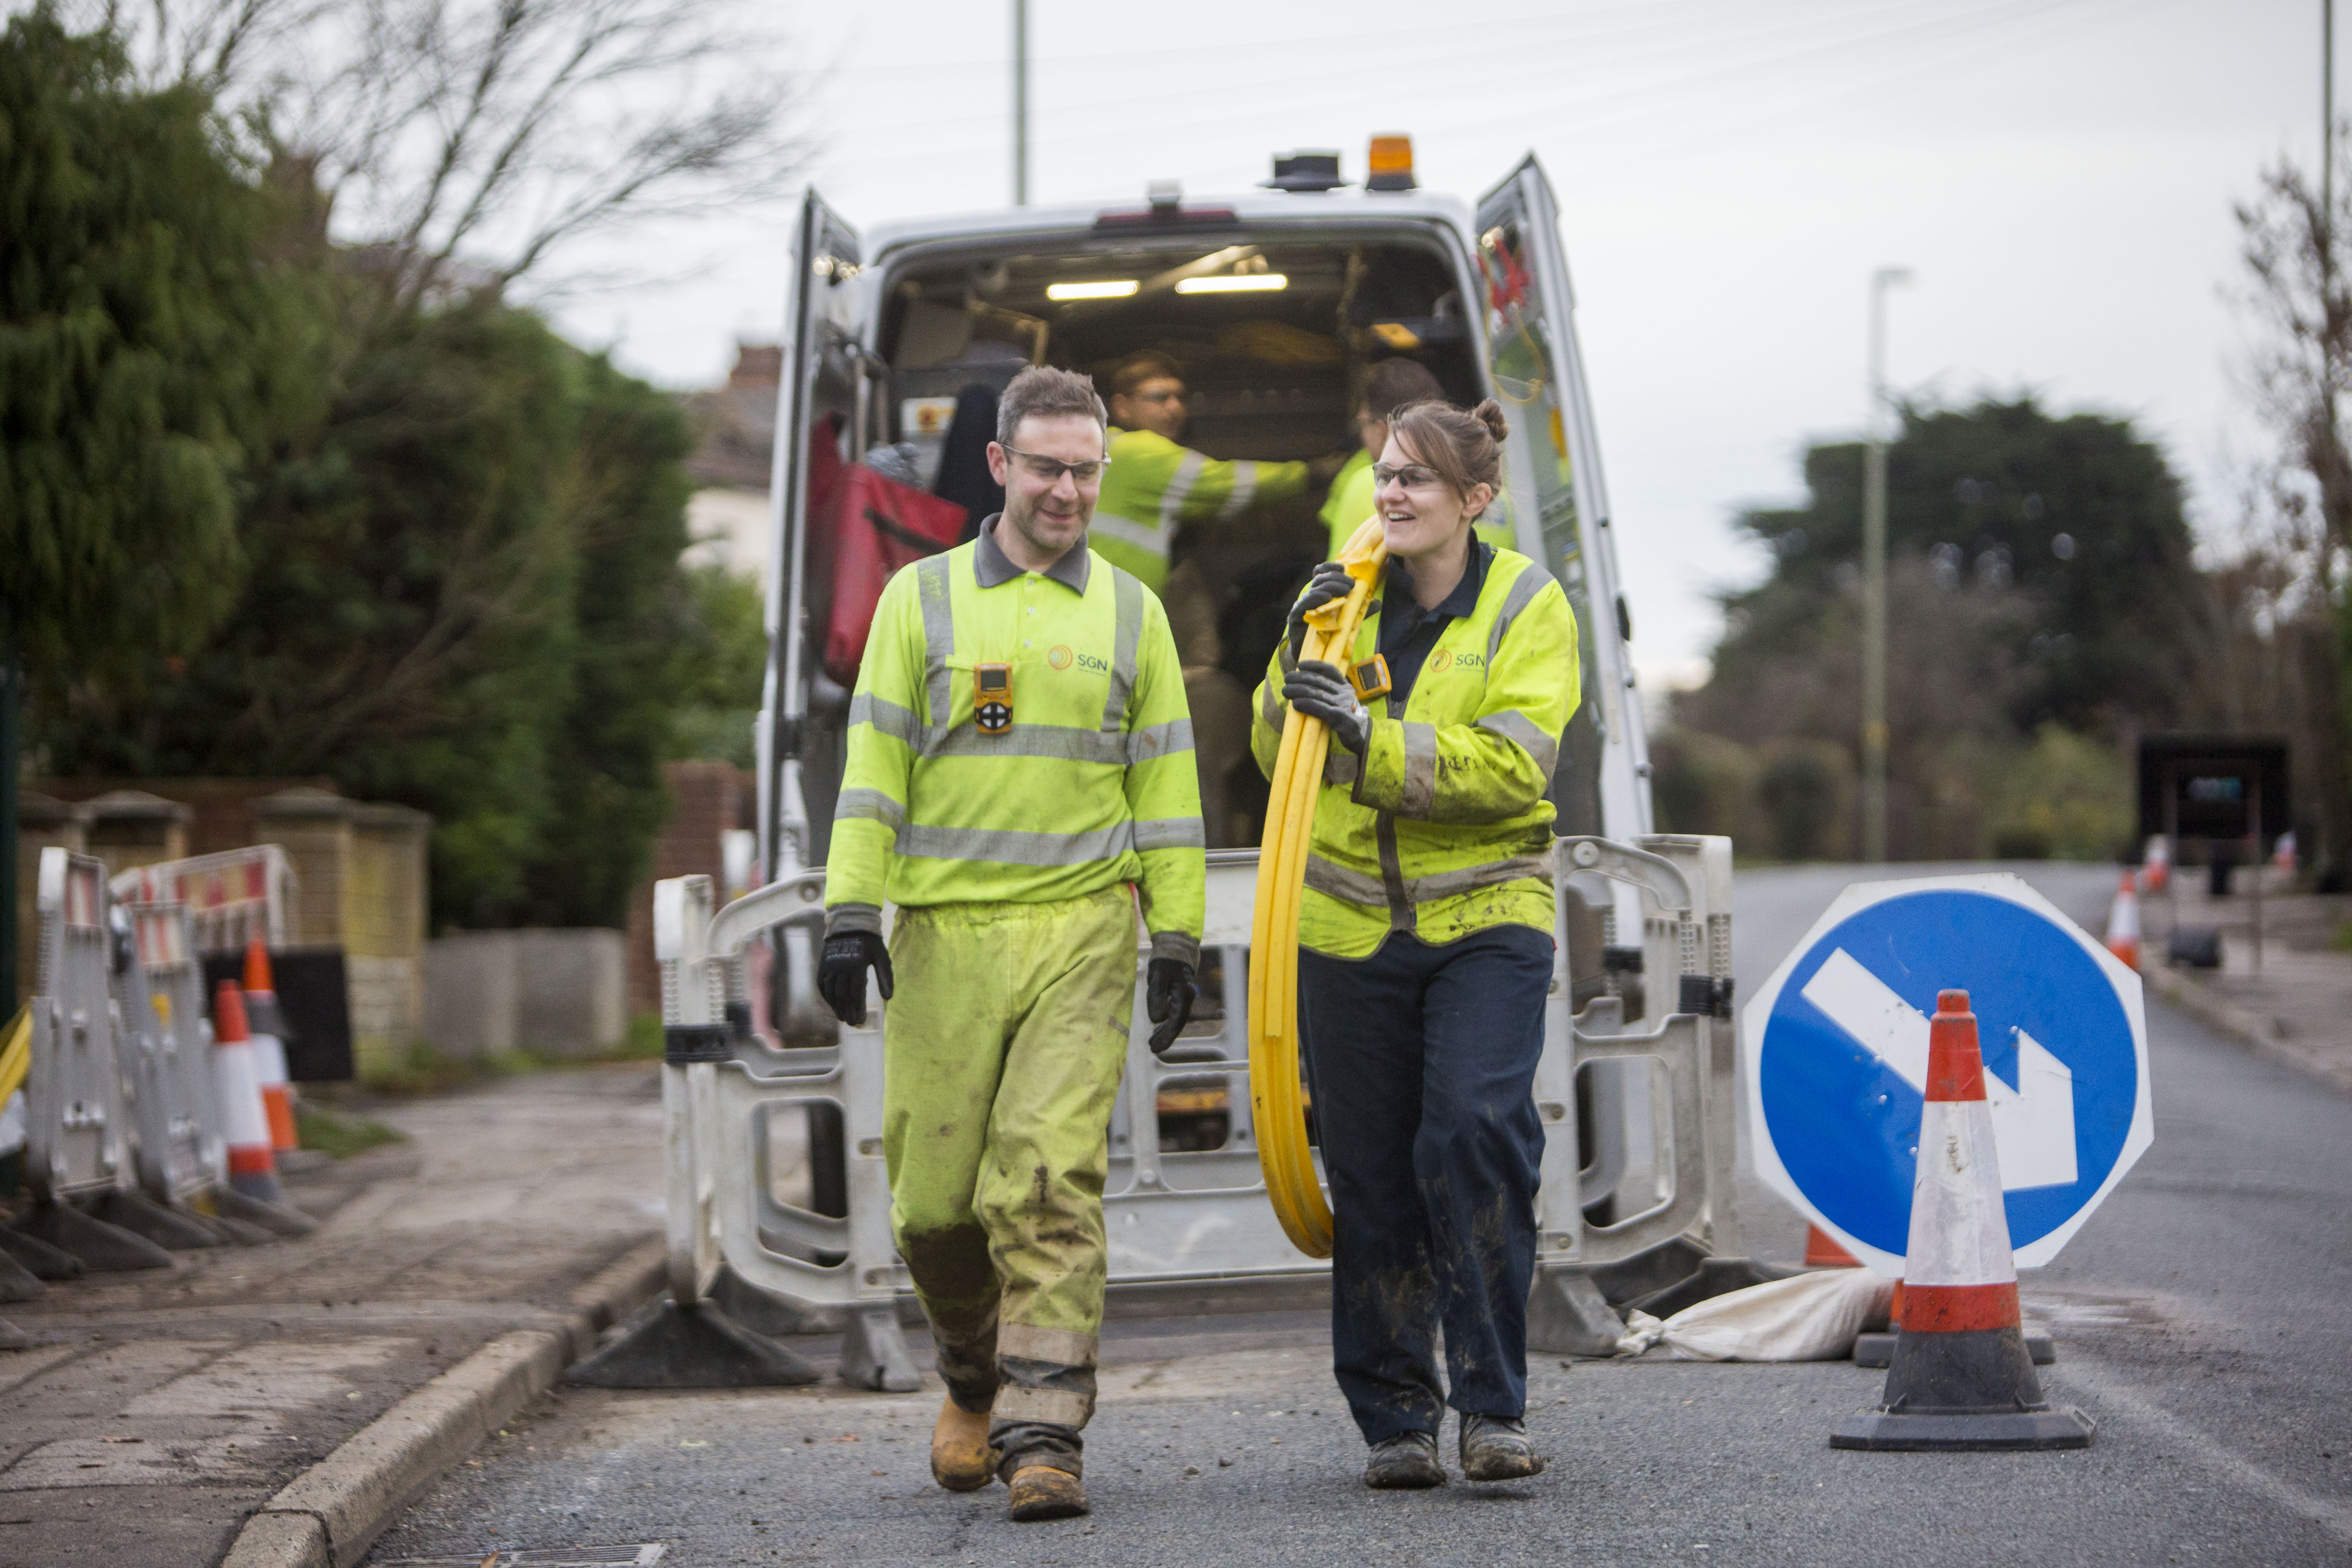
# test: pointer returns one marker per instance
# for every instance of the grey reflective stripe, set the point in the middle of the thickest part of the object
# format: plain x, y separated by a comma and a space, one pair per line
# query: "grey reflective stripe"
1126, 597
1340, 766
1470, 879
1127, 531
1158, 741
1050, 1406
1061, 743
1179, 491
1516, 727
870, 803
1009, 847
1055, 1347
1523, 589
1357, 888
932, 586
888, 717
1245, 486
1418, 797
1400, 896
1170, 833
1338, 882
1269, 704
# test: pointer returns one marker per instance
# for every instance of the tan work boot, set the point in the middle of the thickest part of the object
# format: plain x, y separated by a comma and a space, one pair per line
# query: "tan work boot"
961, 1459
1041, 1491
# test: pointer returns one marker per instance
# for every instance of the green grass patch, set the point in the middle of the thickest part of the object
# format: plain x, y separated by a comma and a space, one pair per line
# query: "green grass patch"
338, 1135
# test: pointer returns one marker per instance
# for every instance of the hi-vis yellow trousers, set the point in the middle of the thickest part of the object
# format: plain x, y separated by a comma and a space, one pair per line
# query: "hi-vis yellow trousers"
1002, 1054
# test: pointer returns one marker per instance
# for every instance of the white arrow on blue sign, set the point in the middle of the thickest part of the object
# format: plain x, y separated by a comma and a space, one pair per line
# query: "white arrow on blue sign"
1836, 1060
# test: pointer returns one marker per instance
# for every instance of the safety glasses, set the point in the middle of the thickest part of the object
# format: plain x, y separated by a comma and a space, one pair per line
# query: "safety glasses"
1049, 470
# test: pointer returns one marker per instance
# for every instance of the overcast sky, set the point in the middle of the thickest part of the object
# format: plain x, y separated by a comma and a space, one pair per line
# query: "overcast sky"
2059, 174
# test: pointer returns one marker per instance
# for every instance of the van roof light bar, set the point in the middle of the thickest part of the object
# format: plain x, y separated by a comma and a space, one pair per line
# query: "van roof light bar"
1390, 165
1307, 172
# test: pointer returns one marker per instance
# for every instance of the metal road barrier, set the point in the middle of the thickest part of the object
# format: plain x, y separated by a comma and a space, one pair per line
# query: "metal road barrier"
75, 1135
1180, 1215
232, 896
181, 1155
123, 1143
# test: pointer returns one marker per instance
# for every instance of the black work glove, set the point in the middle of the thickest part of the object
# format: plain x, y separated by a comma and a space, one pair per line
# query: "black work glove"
1319, 690
1168, 993
841, 974
1330, 582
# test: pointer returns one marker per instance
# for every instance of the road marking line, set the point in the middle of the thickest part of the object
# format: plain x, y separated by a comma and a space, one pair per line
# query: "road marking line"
2113, 1391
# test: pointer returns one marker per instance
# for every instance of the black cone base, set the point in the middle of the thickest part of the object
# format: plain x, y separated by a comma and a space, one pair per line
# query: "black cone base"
1969, 1389
1877, 1350
692, 1347
103, 1249
39, 1259
278, 1219
2062, 1427
174, 1230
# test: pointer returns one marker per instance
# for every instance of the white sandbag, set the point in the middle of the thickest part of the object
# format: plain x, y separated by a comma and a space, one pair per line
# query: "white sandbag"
1642, 1332
1811, 1317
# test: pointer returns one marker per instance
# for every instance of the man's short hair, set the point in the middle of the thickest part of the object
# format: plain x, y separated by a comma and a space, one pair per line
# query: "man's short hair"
1146, 364
1394, 383
1042, 392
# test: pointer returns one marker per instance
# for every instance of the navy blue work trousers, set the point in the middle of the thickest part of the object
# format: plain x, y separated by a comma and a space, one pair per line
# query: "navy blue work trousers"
1422, 1062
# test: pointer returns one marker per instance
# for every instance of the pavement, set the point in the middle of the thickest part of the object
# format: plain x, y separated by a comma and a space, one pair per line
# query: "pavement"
2199, 1315
158, 1410
2285, 988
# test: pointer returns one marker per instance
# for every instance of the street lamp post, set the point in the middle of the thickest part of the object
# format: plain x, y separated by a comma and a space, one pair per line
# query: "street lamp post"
1020, 104
1874, 578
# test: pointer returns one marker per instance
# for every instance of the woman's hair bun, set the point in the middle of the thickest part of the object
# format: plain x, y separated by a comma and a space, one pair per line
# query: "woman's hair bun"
1490, 414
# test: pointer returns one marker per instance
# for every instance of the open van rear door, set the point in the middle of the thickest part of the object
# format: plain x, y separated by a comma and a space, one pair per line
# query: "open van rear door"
822, 372
825, 370
1552, 469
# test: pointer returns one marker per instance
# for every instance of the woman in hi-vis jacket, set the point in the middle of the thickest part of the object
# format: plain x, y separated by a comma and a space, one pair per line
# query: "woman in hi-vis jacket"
1425, 950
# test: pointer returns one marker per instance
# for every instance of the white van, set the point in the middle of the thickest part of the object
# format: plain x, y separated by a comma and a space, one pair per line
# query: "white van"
884, 330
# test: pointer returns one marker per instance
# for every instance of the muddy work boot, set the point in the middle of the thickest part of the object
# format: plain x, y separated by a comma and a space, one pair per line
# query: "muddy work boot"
1493, 1450
961, 1459
1405, 1462
1041, 1491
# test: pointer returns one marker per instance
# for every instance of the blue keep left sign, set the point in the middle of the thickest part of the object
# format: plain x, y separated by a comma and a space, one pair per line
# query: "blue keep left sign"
1836, 1060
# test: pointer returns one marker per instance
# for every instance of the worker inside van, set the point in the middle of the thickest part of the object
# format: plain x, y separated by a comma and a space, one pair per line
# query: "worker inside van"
1388, 385
1153, 486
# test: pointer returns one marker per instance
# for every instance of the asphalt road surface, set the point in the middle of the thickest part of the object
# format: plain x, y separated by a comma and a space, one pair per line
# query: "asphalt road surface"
2201, 1317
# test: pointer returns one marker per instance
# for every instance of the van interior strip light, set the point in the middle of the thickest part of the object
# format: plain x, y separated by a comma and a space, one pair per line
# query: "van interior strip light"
1282, 1152
1235, 283
1108, 289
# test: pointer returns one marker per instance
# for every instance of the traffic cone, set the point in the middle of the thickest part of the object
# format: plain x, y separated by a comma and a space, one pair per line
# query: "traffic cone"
2123, 922
2156, 870
1823, 1251
252, 1161
1961, 1378
268, 1027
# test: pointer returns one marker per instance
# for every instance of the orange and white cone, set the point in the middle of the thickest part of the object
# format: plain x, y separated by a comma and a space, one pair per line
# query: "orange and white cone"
1960, 1378
268, 1026
2123, 921
2156, 870
252, 1162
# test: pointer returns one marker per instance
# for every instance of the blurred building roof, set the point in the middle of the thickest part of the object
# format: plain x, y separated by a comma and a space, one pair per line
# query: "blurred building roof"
735, 424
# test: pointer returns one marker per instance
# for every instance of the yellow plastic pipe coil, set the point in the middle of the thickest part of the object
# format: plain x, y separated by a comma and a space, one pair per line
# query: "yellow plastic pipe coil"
1282, 1150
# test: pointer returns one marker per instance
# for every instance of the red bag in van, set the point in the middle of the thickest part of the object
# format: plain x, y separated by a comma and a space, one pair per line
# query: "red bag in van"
877, 526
